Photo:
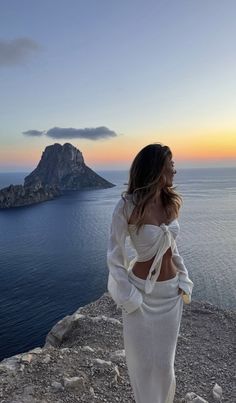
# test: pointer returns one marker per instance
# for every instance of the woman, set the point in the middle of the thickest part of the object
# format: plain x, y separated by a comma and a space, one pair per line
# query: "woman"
150, 288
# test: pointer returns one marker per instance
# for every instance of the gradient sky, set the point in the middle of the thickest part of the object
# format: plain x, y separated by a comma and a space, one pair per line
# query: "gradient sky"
147, 71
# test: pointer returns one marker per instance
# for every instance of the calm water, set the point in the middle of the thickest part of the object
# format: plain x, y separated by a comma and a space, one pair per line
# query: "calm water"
53, 255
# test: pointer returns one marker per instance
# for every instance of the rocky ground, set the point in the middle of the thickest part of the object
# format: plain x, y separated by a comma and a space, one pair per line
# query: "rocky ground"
83, 359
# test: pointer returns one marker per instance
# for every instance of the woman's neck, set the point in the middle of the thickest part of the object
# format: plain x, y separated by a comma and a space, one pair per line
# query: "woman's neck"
156, 201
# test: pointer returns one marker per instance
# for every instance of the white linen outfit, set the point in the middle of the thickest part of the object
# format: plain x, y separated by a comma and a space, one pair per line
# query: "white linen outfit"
151, 310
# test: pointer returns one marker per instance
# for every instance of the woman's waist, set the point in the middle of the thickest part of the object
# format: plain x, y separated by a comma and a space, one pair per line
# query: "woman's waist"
168, 269
165, 288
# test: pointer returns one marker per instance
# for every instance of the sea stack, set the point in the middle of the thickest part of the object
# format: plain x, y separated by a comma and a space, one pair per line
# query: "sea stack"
63, 166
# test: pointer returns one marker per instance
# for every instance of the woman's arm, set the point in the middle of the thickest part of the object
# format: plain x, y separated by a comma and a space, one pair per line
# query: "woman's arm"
123, 292
184, 281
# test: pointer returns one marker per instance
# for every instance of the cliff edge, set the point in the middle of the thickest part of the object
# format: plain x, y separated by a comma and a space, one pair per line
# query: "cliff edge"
83, 359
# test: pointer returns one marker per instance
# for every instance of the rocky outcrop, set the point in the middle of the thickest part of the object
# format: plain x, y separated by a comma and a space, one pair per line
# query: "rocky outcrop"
64, 167
83, 359
61, 168
19, 195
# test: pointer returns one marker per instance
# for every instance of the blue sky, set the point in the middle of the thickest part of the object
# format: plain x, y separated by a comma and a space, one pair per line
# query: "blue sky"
146, 70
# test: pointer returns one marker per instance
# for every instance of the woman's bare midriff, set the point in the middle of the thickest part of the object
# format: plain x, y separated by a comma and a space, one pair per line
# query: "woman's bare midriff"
168, 268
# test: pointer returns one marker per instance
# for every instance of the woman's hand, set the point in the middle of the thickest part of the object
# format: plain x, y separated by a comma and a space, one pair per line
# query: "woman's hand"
186, 297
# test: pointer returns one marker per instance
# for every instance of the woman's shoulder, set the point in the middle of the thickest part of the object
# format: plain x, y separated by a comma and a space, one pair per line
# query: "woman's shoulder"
124, 205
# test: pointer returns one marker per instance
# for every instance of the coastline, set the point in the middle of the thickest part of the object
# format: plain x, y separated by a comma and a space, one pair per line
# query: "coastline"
83, 358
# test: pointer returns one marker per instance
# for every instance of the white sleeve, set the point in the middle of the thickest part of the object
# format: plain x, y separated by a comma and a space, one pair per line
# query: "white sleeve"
123, 292
184, 281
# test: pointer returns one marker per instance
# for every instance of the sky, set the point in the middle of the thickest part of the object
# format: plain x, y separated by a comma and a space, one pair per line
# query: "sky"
110, 77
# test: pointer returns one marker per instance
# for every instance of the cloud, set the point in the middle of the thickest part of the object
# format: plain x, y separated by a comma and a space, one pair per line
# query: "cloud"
87, 133
96, 133
33, 133
16, 51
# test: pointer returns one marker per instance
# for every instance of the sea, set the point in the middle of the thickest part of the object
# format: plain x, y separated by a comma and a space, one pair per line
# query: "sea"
53, 254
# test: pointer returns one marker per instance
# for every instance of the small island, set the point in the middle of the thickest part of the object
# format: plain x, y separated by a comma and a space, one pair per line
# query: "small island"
61, 168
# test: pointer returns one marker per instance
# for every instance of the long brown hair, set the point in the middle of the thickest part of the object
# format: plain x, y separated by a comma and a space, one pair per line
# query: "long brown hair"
146, 174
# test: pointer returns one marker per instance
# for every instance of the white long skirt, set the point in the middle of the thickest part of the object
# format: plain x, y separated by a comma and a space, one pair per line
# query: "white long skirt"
150, 337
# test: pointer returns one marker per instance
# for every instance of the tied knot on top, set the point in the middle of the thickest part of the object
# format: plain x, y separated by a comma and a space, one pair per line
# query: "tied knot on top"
165, 228
154, 271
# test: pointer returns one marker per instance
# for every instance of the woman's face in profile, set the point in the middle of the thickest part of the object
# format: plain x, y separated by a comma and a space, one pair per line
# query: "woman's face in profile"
169, 171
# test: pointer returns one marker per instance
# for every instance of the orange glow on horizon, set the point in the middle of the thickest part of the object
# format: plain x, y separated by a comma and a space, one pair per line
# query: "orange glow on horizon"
203, 148
122, 150
19, 157
184, 148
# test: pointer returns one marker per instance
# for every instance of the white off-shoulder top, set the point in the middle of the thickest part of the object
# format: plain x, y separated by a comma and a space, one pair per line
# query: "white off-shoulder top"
150, 241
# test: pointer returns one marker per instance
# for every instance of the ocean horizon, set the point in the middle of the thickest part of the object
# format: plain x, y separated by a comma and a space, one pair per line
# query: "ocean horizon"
53, 254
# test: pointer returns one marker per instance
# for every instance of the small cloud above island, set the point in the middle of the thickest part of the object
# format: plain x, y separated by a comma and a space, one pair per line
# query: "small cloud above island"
96, 133
15, 51
33, 133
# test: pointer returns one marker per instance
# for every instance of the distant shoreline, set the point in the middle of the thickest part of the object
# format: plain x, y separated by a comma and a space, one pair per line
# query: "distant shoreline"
233, 166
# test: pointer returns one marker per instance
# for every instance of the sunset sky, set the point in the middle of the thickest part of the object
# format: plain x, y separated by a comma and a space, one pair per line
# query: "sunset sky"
112, 76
